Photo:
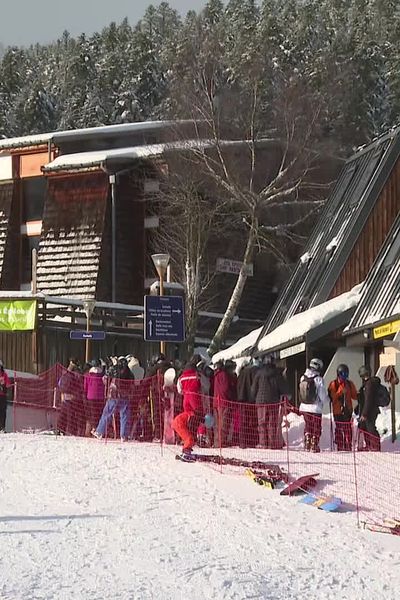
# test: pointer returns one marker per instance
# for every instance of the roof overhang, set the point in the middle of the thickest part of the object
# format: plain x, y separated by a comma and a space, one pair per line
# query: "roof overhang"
308, 326
87, 133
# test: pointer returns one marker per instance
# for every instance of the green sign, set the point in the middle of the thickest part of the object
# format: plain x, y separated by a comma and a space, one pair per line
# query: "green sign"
17, 315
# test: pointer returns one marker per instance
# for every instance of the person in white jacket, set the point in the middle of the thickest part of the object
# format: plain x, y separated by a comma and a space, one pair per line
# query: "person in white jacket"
313, 396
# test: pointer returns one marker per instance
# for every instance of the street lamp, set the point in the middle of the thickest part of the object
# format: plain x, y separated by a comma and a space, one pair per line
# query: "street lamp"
161, 262
88, 307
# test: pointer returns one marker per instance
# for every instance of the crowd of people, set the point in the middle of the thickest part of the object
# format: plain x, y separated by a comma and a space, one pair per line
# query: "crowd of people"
248, 409
212, 405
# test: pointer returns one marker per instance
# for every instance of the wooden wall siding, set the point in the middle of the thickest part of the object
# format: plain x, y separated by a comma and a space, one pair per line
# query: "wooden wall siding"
16, 350
6, 207
72, 235
372, 237
130, 245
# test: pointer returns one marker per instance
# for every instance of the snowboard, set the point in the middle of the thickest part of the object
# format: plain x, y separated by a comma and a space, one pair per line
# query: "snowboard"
326, 503
302, 485
169, 402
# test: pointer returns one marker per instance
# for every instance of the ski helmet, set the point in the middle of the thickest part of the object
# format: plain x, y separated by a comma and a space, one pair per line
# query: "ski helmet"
342, 371
364, 371
316, 364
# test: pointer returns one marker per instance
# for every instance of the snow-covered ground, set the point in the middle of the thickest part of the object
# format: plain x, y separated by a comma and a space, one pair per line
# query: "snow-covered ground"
82, 519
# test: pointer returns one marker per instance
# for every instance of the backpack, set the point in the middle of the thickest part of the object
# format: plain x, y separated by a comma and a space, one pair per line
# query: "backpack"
64, 383
382, 395
307, 390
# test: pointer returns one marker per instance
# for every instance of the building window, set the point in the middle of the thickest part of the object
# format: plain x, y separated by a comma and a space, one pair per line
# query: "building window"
34, 193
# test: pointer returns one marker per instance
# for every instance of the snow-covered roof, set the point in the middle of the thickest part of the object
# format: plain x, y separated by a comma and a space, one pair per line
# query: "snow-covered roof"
63, 136
341, 223
294, 328
298, 325
25, 141
239, 347
380, 300
87, 160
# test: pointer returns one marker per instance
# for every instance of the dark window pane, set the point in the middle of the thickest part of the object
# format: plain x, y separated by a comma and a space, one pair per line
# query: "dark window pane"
34, 191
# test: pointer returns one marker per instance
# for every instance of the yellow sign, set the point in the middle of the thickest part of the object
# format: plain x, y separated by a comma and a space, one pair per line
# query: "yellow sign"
388, 329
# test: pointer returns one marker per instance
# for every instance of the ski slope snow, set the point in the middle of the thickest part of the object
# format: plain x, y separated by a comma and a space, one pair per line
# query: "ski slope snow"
82, 519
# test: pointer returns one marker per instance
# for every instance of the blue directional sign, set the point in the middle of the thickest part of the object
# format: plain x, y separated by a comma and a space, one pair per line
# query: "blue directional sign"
164, 319
87, 335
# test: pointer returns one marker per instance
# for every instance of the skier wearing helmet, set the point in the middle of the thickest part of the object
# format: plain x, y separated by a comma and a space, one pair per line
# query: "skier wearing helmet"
313, 396
368, 409
342, 393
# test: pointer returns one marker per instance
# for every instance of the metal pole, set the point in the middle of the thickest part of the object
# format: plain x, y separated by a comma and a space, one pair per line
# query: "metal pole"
161, 274
113, 237
35, 360
393, 410
87, 341
34, 271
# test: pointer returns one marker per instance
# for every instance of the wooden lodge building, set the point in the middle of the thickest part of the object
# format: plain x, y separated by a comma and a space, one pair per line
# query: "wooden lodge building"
354, 234
83, 200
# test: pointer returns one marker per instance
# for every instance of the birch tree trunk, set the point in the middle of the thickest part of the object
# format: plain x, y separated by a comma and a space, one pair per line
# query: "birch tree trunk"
232, 307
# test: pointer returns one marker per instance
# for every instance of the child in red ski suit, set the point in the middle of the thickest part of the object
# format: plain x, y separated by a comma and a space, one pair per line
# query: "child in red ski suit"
186, 423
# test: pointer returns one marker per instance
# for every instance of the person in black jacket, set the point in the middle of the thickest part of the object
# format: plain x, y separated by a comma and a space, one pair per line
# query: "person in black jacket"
368, 409
266, 390
248, 437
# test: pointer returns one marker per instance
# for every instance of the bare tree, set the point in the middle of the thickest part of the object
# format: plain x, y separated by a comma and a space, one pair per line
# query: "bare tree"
190, 215
260, 128
262, 173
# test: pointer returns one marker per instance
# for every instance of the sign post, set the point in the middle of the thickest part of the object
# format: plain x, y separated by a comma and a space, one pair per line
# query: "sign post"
164, 319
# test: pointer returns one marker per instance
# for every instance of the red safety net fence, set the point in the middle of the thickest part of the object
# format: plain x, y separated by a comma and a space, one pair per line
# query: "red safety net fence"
70, 403
345, 462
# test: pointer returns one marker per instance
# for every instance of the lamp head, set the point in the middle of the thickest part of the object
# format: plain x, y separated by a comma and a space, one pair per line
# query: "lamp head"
89, 306
161, 262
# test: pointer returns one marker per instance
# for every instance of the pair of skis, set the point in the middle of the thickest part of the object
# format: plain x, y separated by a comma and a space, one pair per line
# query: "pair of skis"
268, 478
232, 462
389, 525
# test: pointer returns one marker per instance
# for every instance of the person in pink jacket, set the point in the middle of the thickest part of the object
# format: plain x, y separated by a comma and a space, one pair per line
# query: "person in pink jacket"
94, 395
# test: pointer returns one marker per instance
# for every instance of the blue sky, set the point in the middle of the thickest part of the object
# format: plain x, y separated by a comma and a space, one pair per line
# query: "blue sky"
25, 22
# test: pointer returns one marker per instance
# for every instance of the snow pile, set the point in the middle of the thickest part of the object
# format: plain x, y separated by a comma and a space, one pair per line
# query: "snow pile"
88, 520
384, 423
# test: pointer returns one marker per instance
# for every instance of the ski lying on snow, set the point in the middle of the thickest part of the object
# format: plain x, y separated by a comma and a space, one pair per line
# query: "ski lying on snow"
302, 485
388, 525
237, 462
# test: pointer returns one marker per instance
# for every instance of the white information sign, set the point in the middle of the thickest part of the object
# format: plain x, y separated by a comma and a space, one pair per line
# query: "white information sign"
292, 350
226, 265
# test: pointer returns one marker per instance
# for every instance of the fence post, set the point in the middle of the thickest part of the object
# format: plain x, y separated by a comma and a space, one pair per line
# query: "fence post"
14, 411
161, 415
356, 486
286, 412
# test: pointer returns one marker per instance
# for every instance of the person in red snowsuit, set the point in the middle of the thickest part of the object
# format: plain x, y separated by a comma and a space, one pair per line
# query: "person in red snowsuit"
225, 395
186, 423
